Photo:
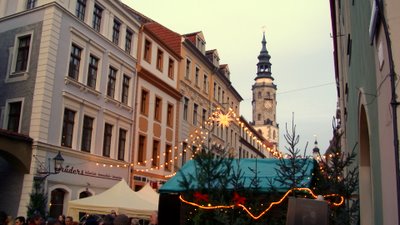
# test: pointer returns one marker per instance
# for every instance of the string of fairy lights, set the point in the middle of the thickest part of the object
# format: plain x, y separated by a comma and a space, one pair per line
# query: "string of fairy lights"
240, 204
195, 141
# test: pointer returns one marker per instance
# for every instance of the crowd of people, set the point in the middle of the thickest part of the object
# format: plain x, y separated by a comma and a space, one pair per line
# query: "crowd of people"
109, 219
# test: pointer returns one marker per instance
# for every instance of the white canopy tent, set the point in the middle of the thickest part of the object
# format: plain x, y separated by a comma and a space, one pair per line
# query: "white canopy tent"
120, 198
148, 193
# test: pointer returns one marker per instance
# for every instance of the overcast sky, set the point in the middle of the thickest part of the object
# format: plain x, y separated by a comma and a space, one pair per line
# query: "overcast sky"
298, 40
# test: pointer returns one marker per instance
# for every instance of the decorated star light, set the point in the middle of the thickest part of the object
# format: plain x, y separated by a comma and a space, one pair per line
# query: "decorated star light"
224, 120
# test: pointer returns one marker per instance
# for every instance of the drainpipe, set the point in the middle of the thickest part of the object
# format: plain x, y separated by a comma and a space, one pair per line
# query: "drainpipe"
393, 101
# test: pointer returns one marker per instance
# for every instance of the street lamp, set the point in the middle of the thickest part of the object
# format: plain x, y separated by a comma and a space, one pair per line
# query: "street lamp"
58, 161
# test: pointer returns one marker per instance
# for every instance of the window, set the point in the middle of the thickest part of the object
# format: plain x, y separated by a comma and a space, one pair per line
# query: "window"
74, 62
107, 139
219, 94
171, 69
184, 147
147, 51
170, 113
14, 116
223, 97
115, 35
97, 13
144, 102
160, 56
68, 128
185, 108
87, 133
30, 4
188, 65
196, 78
155, 154
128, 41
141, 149
195, 107
80, 9
215, 91
112, 76
205, 83
92, 71
204, 117
168, 154
121, 144
21, 64
125, 90
157, 109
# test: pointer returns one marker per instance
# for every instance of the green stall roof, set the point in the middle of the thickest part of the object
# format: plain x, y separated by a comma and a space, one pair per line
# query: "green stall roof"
266, 170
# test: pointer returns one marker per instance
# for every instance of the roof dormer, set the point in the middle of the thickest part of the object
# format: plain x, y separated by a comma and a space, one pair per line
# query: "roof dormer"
212, 55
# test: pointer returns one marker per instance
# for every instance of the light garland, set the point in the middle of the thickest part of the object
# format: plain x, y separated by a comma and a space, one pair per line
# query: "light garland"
256, 217
197, 138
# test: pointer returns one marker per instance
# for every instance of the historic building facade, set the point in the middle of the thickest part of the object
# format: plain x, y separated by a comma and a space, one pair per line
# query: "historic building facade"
116, 94
264, 99
68, 83
158, 102
366, 69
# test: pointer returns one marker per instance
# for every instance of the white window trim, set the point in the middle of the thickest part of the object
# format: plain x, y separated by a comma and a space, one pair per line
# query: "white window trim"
127, 142
114, 136
91, 113
7, 111
75, 106
12, 76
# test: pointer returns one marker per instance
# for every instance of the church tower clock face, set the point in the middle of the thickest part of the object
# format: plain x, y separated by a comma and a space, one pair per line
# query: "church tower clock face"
264, 102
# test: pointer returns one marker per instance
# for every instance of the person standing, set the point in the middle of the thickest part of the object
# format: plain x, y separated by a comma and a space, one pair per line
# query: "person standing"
69, 220
20, 220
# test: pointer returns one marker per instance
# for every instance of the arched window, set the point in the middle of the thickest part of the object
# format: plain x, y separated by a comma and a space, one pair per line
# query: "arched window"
259, 94
57, 202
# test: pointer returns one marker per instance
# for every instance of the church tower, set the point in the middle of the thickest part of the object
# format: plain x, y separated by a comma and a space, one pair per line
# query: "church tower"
264, 99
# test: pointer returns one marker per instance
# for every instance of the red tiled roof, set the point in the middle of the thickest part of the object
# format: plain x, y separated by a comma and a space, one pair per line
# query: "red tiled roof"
192, 37
170, 38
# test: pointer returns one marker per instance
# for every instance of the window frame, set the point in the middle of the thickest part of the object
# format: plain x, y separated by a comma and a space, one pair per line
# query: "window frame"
171, 68
168, 157
128, 40
87, 133
125, 89
30, 4
97, 17
107, 139
144, 102
26, 57
112, 80
160, 60
158, 108
68, 125
147, 50
80, 9
92, 71
188, 68
141, 153
185, 108
155, 162
122, 143
170, 115
116, 30
75, 59
195, 113
8, 112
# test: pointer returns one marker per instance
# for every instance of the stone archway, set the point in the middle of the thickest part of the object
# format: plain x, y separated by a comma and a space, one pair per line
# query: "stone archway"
365, 176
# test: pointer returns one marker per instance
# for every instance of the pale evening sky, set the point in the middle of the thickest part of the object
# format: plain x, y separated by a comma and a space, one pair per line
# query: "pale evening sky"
298, 40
